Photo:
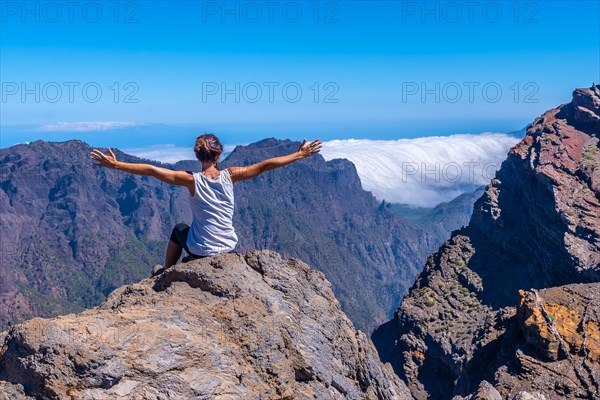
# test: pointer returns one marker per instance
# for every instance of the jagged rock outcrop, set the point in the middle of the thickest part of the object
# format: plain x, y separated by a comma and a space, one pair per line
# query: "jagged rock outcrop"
475, 314
548, 350
230, 326
562, 321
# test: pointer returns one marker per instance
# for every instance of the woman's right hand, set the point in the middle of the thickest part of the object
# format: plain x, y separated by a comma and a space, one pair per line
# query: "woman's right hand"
307, 150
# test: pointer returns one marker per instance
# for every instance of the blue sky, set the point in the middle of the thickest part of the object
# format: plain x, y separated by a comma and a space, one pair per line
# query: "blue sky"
362, 68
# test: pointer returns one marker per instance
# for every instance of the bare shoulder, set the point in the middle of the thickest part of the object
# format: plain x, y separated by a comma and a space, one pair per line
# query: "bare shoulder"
247, 172
235, 173
185, 178
187, 175
190, 182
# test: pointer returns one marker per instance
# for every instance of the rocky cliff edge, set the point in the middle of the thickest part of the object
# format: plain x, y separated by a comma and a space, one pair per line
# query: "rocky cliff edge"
230, 326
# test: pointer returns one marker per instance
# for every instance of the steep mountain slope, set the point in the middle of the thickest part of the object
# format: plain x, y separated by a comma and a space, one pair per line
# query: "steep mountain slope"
71, 233
537, 226
229, 326
442, 219
447, 217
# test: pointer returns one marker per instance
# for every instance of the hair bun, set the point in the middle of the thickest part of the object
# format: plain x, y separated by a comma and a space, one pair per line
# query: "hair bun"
208, 148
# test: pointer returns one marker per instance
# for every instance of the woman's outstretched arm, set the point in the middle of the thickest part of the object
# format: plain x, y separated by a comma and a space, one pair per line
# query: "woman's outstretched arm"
179, 178
252, 171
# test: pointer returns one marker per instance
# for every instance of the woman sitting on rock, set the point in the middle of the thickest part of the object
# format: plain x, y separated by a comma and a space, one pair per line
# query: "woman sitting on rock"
211, 195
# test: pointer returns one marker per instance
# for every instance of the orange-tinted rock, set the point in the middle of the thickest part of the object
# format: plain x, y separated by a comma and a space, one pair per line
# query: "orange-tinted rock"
562, 320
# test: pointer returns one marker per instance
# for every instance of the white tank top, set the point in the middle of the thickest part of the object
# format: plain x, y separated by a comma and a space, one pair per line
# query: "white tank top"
212, 210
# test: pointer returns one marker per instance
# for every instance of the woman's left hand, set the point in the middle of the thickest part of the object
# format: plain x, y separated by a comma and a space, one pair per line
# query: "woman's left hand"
307, 150
104, 160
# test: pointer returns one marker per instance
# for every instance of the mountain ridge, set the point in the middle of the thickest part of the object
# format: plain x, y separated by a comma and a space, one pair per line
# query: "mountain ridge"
497, 309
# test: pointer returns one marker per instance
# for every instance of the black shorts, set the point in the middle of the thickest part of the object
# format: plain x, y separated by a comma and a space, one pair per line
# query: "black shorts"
179, 237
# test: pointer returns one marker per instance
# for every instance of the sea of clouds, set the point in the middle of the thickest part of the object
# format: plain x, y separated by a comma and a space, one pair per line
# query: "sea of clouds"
421, 172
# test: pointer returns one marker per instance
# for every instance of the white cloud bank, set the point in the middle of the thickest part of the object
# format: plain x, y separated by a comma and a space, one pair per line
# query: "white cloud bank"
88, 126
425, 171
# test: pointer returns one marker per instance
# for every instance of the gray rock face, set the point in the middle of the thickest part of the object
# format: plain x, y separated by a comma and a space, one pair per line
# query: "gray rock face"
8, 391
231, 326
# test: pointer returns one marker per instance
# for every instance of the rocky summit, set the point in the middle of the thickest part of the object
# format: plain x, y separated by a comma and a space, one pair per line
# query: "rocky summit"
508, 306
230, 326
